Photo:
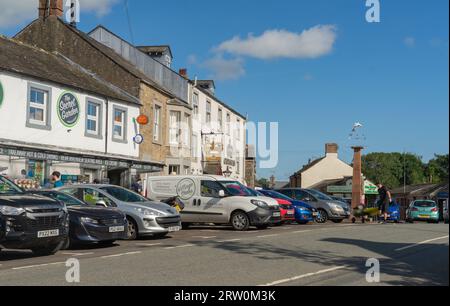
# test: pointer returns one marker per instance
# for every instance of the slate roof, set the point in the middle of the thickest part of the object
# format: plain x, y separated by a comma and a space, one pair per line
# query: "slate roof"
17, 57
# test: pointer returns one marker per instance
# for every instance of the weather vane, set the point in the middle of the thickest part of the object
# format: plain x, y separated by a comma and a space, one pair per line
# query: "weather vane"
357, 136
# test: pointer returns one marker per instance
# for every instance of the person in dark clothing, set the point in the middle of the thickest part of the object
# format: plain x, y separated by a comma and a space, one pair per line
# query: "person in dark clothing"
137, 186
385, 198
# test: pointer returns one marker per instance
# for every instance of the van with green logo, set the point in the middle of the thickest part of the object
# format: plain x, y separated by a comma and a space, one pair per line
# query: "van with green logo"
214, 199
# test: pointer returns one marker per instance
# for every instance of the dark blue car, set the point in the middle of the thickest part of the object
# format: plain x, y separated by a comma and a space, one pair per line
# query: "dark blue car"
304, 213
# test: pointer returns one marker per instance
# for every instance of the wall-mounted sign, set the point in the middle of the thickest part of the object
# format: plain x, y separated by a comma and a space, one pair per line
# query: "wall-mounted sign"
1, 94
142, 120
68, 109
138, 139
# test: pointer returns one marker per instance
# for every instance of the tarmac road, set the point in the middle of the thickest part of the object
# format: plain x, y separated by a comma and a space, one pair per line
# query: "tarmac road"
292, 255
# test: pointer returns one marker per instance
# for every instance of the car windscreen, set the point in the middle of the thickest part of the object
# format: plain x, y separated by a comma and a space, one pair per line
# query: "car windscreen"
8, 187
424, 204
237, 189
124, 195
65, 198
319, 195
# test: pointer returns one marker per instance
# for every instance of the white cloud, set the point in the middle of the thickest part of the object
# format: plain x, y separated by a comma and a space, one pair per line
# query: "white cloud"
409, 41
225, 69
311, 43
16, 12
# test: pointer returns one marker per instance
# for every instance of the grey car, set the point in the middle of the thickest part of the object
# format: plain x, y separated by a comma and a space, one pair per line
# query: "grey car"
328, 208
145, 217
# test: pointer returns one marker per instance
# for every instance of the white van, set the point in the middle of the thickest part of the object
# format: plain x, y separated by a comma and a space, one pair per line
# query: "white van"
215, 199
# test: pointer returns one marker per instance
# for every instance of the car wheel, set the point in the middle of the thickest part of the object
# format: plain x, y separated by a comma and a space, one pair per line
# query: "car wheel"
49, 250
132, 232
262, 227
337, 221
240, 221
160, 235
322, 217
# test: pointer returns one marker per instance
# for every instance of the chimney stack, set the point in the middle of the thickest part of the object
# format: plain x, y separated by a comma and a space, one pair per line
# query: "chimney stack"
331, 148
183, 72
50, 8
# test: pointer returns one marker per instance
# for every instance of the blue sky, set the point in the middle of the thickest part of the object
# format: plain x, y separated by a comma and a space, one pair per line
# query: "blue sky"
392, 76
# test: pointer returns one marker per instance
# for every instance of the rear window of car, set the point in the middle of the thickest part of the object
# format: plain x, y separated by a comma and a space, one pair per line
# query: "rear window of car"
424, 204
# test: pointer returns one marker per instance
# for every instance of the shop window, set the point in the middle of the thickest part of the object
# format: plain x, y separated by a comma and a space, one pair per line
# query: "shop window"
119, 124
38, 107
174, 170
93, 119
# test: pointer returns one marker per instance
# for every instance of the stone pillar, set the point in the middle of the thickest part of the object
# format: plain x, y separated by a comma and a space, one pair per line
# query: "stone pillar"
357, 185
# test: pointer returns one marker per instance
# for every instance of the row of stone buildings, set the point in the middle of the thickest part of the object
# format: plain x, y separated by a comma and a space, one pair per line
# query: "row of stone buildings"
95, 107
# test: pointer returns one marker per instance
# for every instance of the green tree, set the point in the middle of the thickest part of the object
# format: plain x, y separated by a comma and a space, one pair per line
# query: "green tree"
263, 183
393, 169
437, 169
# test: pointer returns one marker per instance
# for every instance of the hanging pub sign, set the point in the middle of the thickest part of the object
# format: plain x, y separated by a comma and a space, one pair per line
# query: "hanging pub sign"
68, 109
1, 94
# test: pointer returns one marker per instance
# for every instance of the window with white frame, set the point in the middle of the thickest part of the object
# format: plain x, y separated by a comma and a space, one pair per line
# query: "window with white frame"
157, 123
174, 170
238, 129
195, 103
187, 130
119, 124
93, 113
228, 124
220, 119
208, 112
174, 128
38, 104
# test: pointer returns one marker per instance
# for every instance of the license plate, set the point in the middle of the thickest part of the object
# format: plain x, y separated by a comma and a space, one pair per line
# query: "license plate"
315, 214
47, 234
117, 229
424, 216
277, 214
291, 212
174, 228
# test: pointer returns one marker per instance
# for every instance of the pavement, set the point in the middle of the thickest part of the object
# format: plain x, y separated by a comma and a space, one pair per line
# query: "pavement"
291, 255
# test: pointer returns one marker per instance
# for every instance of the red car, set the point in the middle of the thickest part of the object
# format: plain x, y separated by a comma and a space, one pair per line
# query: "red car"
287, 211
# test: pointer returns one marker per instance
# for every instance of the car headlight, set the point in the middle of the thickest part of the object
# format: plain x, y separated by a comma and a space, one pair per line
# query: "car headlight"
260, 204
11, 211
149, 212
335, 206
88, 220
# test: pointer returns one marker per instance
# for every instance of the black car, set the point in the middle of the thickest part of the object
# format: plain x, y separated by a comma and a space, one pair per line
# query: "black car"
90, 224
31, 222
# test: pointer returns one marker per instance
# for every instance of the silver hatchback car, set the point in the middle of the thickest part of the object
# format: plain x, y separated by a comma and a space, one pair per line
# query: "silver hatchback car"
145, 217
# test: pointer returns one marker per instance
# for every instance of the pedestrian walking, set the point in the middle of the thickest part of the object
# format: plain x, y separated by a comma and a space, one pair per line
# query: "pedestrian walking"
137, 186
385, 198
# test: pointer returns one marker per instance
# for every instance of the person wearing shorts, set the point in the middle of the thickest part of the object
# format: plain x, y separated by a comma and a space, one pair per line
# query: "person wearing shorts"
385, 199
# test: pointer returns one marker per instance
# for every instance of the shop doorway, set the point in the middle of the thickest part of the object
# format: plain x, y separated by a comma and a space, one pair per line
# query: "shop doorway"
119, 177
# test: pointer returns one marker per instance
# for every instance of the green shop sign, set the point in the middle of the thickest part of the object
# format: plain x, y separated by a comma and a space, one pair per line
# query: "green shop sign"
68, 109
1, 94
369, 189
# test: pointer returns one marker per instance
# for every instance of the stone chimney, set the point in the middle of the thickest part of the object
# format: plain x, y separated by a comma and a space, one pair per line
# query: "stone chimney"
50, 8
331, 149
184, 73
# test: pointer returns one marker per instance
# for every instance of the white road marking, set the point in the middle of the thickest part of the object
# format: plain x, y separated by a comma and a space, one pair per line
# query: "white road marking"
420, 243
204, 237
77, 254
148, 244
122, 254
180, 246
300, 232
267, 236
287, 280
229, 240
38, 266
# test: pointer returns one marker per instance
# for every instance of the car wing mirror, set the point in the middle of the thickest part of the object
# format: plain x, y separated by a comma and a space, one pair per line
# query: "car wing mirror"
221, 194
101, 203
